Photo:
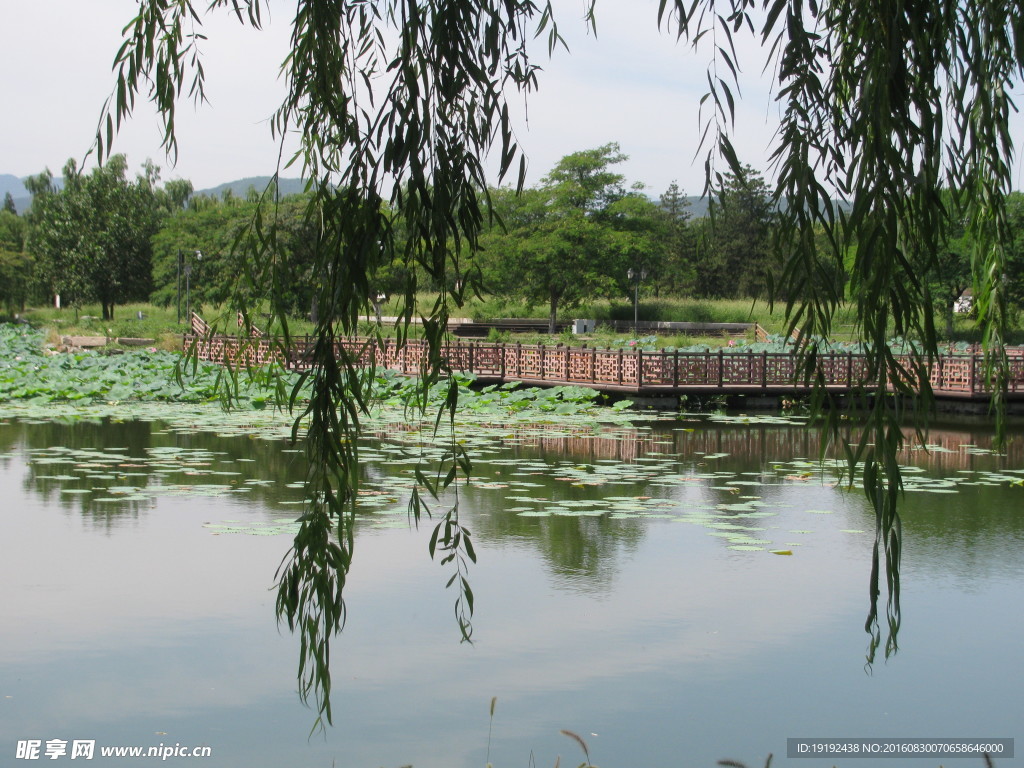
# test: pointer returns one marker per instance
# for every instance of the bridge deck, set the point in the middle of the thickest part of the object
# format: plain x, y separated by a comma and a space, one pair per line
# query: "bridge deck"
620, 371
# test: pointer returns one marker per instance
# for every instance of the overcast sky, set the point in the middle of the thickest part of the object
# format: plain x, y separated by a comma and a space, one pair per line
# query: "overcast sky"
631, 84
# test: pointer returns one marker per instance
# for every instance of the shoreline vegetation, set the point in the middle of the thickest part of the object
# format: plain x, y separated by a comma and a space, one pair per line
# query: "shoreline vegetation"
148, 367
161, 323
33, 374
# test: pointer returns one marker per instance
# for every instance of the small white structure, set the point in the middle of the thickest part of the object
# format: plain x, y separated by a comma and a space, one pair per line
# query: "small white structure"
965, 303
583, 326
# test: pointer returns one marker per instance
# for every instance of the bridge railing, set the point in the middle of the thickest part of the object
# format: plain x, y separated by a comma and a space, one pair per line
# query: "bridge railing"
626, 368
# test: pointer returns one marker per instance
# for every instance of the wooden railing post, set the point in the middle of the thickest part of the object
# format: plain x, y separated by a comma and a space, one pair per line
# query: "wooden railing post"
471, 345
721, 368
619, 377
593, 365
675, 368
568, 354
540, 372
764, 369
503, 361
639, 368
974, 359
519, 359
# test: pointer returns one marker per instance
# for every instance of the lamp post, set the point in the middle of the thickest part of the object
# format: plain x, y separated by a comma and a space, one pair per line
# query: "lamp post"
188, 297
178, 294
635, 276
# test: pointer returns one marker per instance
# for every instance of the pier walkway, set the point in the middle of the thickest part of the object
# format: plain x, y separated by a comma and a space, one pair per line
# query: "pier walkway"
634, 372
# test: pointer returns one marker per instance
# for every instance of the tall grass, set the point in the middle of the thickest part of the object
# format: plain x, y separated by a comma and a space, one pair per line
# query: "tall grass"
162, 322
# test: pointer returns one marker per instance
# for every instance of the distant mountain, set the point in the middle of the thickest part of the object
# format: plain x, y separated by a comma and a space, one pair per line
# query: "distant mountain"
241, 187
698, 206
12, 184
16, 188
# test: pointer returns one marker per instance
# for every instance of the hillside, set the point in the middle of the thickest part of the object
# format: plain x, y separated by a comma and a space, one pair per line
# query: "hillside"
239, 188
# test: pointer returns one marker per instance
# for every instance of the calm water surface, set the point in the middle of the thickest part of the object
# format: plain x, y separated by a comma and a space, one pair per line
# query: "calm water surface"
137, 613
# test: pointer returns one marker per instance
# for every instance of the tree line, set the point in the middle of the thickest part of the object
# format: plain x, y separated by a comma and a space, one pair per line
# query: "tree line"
583, 232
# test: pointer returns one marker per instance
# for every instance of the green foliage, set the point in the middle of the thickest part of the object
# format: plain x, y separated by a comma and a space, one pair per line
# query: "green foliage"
16, 266
210, 229
677, 272
28, 373
91, 239
573, 237
735, 254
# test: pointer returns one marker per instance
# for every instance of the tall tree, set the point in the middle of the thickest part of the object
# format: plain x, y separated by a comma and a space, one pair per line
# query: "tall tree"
16, 266
948, 274
573, 237
738, 249
205, 235
9, 205
211, 227
91, 239
560, 247
678, 273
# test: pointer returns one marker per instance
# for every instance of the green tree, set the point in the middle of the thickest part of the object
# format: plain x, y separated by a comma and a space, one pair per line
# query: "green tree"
16, 266
211, 227
1014, 275
738, 252
90, 239
223, 275
678, 271
9, 205
639, 239
949, 275
174, 195
574, 236
882, 105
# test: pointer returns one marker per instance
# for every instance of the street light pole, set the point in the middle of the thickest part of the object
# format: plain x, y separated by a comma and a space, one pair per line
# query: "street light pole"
178, 294
636, 275
188, 297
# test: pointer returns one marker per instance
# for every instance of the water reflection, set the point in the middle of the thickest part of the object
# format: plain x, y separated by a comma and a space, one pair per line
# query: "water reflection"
637, 623
110, 472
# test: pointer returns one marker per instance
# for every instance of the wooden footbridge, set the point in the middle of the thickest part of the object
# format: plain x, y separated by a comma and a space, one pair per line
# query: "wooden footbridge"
627, 371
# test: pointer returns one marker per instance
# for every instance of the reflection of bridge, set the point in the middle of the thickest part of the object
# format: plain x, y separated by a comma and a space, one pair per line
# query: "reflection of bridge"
949, 448
634, 372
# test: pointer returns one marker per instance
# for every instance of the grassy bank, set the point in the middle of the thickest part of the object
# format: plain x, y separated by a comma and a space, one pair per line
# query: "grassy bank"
161, 323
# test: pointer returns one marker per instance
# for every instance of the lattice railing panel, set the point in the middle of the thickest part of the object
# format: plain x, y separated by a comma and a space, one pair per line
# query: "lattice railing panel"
582, 365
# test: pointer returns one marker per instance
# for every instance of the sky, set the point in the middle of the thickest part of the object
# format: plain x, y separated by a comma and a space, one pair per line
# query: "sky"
630, 84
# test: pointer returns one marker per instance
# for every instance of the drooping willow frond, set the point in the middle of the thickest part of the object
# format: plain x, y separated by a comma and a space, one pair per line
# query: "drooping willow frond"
900, 109
894, 123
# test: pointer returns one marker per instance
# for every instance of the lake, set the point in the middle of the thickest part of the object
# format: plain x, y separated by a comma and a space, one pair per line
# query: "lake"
674, 594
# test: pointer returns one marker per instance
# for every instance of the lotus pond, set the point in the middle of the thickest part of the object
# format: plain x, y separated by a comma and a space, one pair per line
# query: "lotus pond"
674, 592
